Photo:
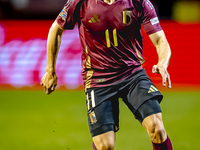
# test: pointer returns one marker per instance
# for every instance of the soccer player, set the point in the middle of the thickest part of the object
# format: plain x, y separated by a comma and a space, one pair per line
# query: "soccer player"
112, 58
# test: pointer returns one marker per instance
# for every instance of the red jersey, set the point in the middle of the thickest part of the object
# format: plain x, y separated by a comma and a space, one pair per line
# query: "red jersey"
110, 36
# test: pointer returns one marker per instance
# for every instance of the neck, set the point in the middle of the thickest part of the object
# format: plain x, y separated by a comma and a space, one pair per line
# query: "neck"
109, 1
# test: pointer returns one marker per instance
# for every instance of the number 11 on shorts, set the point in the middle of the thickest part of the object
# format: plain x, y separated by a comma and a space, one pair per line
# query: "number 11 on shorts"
90, 102
92, 98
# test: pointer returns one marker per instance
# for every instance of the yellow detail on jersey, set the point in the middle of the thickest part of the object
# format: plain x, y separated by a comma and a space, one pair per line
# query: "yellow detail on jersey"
115, 37
88, 79
107, 38
88, 102
94, 19
140, 57
124, 17
89, 72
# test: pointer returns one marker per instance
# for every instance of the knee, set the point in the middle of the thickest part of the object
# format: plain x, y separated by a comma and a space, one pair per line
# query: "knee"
157, 134
105, 141
155, 129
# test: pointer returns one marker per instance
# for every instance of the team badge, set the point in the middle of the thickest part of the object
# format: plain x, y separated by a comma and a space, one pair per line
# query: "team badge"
126, 17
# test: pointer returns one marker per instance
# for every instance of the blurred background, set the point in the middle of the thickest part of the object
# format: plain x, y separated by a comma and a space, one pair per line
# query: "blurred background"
31, 120
181, 10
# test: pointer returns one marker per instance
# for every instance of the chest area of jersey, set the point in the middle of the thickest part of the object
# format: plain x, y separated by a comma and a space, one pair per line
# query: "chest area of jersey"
98, 16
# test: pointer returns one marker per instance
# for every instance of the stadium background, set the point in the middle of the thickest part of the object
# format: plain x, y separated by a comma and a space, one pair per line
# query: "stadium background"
31, 120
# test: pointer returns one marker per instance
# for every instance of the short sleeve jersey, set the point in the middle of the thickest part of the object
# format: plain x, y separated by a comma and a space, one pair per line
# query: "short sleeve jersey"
111, 37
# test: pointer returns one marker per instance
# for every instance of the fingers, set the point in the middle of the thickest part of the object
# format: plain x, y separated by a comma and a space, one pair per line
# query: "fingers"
169, 82
48, 91
53, 87
164, 74
47, 88
166, 79
49, 82
154, 69
41, 83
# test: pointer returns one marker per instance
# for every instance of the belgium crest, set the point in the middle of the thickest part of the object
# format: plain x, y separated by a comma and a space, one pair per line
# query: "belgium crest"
126, 17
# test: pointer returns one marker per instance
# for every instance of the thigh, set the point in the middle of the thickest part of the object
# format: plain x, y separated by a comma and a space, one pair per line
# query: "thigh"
152, 121
139, 91
148, 108
103, 117
155, 128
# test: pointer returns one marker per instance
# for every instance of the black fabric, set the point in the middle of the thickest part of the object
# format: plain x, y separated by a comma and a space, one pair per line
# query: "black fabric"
106, 118
138, 93
148, 108
103, 129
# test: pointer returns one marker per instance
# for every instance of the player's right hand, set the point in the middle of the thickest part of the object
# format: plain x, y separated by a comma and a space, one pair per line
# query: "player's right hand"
49, 82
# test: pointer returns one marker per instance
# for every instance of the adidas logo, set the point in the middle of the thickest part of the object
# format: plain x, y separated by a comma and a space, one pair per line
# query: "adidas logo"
152, 89
94, 19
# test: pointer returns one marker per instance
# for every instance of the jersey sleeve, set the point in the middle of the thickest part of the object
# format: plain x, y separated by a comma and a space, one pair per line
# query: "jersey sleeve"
150, 20
69, 14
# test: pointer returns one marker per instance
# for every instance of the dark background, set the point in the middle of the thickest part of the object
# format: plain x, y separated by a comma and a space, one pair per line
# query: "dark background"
49, 9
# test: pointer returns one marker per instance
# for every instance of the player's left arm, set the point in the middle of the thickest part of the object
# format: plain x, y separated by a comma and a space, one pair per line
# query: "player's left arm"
164, 54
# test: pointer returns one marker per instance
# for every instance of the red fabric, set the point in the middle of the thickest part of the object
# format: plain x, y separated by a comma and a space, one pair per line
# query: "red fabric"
112, 50
166, 145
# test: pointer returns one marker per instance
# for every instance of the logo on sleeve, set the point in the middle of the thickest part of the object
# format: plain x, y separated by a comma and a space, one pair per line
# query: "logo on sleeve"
154, 21
63, 13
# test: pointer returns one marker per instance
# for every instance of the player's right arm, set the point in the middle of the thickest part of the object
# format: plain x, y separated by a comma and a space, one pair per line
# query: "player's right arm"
65, 20
49, 80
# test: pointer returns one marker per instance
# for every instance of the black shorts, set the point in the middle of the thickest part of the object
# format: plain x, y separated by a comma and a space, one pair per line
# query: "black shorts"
103, 105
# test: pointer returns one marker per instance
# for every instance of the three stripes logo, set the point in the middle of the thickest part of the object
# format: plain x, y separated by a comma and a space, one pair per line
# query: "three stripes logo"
152, 89
94, 19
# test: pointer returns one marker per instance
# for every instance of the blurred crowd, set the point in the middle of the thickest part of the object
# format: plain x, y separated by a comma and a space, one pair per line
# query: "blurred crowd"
49, 9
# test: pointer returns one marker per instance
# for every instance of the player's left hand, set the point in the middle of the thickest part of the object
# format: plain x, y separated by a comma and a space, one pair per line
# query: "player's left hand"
49, 82
160, 69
